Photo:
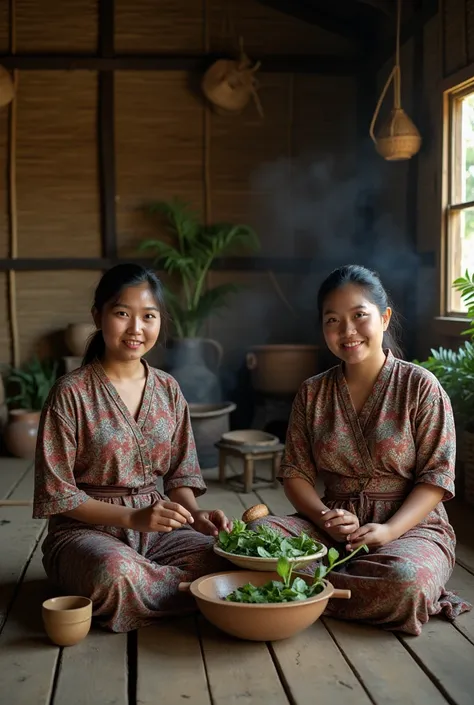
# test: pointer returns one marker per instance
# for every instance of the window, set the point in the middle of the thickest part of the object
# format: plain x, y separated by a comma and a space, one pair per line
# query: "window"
460, 192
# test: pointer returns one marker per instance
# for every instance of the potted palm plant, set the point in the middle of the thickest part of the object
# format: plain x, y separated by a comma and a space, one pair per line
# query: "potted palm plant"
33, 383
187, 255
455, 371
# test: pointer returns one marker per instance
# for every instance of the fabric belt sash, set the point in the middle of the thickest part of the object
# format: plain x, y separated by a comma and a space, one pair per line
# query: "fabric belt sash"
110, 491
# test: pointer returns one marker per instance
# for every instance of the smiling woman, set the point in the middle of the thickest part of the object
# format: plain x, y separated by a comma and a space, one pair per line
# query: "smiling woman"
107, 432
379, 433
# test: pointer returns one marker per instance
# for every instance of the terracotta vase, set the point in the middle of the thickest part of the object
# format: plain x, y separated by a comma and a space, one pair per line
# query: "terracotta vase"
77, 336
21, 433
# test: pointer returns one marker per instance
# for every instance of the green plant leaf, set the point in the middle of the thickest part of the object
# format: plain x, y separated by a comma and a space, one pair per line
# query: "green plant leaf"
190, 255
32, 383
333, 555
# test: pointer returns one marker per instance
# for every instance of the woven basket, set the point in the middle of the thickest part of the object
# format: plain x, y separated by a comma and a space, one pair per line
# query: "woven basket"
398, 138
469, 467
6, 87
229, 85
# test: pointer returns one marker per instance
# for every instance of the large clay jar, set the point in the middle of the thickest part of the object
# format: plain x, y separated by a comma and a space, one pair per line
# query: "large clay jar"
21, 433
77, 336
186, 361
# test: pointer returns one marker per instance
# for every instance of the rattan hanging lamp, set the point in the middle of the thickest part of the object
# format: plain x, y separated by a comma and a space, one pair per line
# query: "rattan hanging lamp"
398, 139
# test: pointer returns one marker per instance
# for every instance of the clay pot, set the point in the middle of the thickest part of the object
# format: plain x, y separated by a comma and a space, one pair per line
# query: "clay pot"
280, 369
77, 336
187, 363
21, 433
257, 622
67, 620
209, 423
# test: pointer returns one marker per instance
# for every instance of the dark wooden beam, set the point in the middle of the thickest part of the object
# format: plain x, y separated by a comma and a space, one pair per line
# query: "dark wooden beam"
412, 189
106, 131
237, 264
106, 28
107, 178
329, 65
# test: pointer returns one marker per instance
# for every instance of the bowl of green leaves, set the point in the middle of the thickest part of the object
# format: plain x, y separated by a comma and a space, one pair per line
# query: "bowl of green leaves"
267, 606
261, 549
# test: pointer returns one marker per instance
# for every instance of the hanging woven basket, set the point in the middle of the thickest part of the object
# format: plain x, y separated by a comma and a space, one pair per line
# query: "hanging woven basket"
229, 85
398, 139
7, 91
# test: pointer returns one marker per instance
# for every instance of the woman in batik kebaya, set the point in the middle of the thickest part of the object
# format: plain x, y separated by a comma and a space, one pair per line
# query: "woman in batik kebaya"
108, 431
379, 433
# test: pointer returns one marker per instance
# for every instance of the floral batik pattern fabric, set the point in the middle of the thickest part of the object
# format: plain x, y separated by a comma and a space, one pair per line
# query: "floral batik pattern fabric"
369, 462
87, 436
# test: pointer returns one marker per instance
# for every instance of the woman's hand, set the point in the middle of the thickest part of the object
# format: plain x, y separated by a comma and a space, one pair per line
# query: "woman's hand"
373, 535
339, 524
210, 522
162, 516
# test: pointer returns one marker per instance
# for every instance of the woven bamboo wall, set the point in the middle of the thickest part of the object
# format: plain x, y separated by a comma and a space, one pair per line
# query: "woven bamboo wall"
51, 26
57, 177
167, 143
182, 25
159, 149
47, 302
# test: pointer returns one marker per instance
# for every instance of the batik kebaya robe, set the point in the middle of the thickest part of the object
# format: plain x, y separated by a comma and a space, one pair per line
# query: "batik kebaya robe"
87, 436
369, 462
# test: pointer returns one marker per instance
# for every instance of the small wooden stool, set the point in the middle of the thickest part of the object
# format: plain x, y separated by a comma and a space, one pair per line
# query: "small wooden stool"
249, 454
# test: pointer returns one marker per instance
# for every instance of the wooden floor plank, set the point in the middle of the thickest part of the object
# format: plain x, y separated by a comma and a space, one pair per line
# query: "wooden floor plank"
461, 517
387, 670
276, 501
11, 472
447, 656
239, 672
315, 669
248, 499
19, 534
462, 582
27, 658
170, 668
94, 672
218, 497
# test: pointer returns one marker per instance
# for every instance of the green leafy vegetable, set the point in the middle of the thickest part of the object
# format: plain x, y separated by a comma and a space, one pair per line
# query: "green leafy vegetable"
265, 542
287, 591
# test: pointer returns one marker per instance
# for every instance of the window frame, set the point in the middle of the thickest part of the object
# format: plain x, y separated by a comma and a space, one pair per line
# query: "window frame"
447, 324
453, 205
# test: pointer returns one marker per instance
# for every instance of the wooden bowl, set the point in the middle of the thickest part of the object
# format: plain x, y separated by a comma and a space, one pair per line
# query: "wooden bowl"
250, 437
67, 620
260, 622
267, 564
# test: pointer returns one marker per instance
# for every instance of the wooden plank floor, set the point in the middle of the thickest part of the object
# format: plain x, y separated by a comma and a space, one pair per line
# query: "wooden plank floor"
188, 661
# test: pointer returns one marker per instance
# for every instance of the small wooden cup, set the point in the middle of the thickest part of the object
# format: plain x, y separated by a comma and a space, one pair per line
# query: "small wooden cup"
67, 620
